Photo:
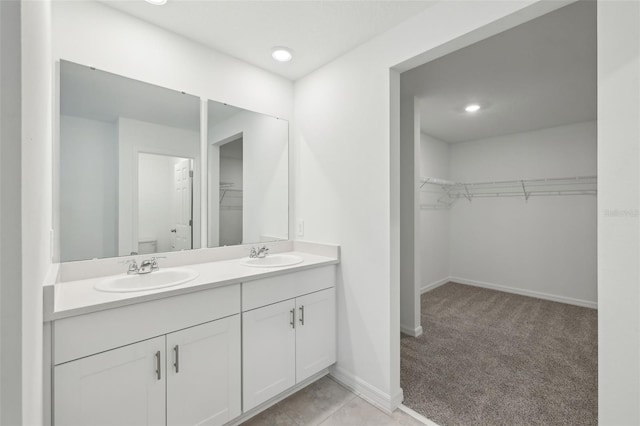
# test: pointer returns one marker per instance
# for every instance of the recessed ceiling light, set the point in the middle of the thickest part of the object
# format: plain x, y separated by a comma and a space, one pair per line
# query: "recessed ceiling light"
472, 108
156, 2
281, 54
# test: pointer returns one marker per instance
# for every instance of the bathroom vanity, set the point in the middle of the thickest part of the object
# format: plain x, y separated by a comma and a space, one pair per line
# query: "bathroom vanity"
143, 324
215, 350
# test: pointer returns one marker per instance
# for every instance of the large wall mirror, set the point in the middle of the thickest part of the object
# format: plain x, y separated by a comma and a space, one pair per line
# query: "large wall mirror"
130, 160
248, 175
129, 166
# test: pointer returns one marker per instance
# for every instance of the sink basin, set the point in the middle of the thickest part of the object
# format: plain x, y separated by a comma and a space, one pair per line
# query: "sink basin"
273, 261
142, 282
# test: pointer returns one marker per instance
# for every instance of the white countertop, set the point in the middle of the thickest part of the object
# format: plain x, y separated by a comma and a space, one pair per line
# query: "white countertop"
79, 297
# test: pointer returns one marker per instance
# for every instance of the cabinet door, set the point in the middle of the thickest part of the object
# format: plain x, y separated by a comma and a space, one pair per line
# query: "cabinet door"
124, 386
315, 333
203, 373
268, 352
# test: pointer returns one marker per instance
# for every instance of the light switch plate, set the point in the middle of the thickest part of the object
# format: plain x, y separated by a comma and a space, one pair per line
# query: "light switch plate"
300, 228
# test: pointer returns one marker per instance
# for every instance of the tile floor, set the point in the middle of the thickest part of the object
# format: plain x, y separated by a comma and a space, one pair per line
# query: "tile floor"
327, 403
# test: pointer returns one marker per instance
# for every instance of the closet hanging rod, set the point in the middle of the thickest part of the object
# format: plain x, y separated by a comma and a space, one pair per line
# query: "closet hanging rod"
574, 180
520, 194
523, 188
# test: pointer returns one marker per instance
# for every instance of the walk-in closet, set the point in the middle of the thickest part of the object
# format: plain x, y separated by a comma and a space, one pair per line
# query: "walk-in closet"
498, 227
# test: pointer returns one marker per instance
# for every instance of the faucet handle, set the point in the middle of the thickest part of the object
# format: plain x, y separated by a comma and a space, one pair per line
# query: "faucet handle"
133, 265
253, 253
154, 262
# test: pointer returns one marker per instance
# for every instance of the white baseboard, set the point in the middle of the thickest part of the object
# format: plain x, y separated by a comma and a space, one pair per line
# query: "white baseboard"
366, 391
396, 400
416, 415
428, 287
523, 292
414, 332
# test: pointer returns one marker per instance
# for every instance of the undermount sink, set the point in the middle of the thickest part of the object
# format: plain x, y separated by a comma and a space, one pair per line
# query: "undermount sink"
151, 281
273, 261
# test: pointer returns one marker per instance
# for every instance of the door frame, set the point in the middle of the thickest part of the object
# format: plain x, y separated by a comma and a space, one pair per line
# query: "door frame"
496, 26
134, 191
213, 184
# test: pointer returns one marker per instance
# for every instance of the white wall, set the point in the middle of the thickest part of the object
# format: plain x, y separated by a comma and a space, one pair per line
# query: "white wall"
618, 212
265, 173
135, 137
11, 358
343, 150
434, 224
89, 189
83, 32
546, 245
37, 91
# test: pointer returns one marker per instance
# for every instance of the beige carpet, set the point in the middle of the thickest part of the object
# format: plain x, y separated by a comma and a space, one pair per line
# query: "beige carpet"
493, 358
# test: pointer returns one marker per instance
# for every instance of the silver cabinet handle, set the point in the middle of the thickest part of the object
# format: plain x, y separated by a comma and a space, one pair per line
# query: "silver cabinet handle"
301, 315
292, 321
176, 364
158, 367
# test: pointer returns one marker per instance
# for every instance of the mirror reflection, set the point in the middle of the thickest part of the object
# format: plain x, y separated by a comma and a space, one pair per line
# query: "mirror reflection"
248, 176
165, 208
129, 166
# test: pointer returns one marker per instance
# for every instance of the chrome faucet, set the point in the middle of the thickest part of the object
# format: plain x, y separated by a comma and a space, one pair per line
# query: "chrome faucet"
259, 253
150, 265
147, 266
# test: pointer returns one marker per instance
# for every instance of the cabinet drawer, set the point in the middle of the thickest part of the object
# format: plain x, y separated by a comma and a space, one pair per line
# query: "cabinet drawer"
88, 334
272, 290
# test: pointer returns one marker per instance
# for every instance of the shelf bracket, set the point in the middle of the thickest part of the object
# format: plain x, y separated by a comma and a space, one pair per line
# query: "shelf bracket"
526, 195
468, 196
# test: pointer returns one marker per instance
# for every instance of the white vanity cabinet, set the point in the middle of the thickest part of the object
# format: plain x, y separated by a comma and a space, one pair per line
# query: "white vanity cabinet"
268, 346
203, 373
290, 340
185, 377
204, 357
315, 332
117, 387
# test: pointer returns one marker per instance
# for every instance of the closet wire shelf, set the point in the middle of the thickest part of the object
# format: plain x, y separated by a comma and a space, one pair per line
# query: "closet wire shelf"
230, 197
449, 192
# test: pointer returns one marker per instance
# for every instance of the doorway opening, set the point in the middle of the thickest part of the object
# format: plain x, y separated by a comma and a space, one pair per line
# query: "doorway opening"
165, 203
498, 242
231, 169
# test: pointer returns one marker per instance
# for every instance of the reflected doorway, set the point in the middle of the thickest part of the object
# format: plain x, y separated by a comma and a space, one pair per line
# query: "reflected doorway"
165, 203
231, 170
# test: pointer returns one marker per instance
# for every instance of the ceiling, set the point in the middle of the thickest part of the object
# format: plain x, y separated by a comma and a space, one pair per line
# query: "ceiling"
540, 74
317, 31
